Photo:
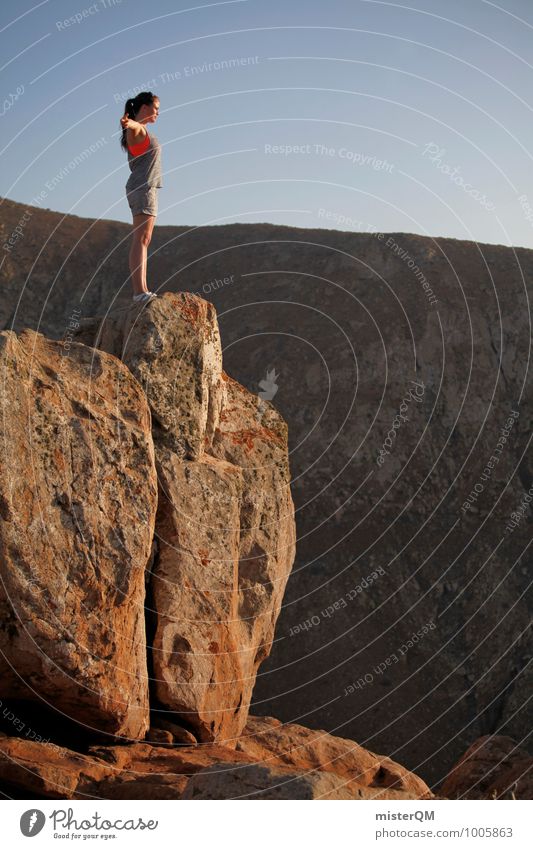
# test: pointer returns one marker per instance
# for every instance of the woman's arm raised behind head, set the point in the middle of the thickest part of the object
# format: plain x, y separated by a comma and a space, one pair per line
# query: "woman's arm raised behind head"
137, 132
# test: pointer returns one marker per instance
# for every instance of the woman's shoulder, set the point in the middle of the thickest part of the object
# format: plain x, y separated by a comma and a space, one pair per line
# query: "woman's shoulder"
133, 141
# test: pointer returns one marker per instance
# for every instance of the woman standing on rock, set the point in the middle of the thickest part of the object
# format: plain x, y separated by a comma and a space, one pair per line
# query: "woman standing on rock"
144, 159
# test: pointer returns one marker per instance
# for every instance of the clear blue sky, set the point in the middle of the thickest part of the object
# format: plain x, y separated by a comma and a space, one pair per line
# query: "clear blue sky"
413, 117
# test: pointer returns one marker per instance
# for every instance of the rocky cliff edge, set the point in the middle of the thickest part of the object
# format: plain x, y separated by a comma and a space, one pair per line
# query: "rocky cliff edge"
147, 534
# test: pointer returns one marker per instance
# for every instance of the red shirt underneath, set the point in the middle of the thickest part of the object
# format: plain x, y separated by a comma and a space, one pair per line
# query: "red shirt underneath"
137, 149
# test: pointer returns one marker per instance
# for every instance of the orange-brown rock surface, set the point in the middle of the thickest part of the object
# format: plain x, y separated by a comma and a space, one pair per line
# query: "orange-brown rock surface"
199, 662
255, 781
78, 496
173, 349
494, 767
310, 765
225, 525
268, 740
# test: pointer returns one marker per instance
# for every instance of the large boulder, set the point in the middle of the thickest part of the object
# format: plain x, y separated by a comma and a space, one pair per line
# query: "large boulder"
274, 762
494, 767
225, 531
199, 663
268, 740
78, 497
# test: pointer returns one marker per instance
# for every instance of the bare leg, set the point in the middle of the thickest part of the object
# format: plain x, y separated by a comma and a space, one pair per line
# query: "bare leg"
138, 257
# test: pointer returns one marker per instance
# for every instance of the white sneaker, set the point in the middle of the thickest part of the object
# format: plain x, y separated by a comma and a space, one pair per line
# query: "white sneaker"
144, 297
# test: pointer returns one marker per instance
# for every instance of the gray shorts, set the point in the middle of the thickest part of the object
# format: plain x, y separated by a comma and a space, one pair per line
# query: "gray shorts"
143, 200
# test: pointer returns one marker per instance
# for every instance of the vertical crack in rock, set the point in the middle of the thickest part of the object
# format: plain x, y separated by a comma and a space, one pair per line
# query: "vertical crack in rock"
225, 519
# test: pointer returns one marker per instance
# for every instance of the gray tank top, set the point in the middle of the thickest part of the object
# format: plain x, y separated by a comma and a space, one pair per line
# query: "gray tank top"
146, 167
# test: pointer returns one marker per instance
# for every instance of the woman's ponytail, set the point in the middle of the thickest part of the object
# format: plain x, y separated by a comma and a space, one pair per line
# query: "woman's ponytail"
130, 111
